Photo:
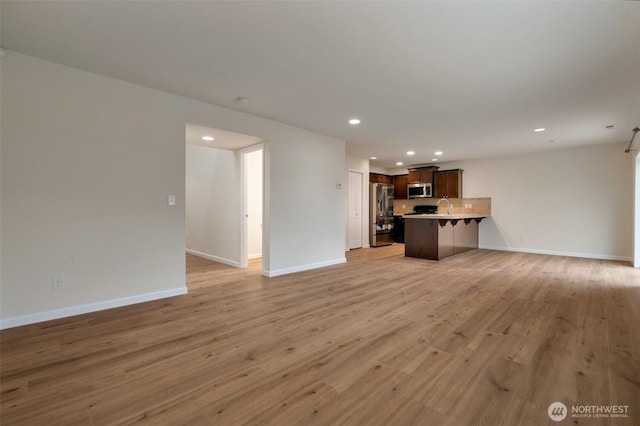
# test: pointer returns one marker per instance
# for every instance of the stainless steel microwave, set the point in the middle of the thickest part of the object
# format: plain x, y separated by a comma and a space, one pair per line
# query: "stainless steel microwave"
419, 190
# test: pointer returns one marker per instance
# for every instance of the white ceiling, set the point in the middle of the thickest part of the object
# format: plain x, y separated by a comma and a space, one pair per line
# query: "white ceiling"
222, 139
472, 79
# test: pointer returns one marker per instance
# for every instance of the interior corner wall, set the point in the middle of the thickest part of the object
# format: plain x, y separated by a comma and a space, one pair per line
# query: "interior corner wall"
574, 201
87, 163
212, 197
358, 165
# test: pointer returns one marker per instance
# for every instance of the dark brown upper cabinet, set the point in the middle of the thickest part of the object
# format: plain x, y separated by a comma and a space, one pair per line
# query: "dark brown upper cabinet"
400, 183
422, 174
447, 183
380, 178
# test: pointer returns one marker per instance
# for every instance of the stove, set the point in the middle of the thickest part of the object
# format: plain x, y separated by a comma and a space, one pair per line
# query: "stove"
398, 221
424, 210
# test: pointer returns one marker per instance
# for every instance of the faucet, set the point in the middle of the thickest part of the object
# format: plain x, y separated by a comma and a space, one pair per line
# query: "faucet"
448, 204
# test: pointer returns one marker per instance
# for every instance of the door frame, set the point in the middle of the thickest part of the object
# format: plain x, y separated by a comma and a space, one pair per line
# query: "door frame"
244, 228
636, 211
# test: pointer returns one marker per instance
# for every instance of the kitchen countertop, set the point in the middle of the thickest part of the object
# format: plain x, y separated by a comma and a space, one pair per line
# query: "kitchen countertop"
445, 216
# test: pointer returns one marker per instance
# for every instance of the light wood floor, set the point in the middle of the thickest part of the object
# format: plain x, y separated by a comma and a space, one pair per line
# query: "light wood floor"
485, 337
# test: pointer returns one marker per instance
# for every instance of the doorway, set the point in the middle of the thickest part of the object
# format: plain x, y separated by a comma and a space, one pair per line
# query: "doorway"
253, 202
355, 210
215, 204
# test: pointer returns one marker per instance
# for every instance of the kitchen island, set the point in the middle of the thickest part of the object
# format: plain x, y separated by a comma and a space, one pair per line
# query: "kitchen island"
436, 236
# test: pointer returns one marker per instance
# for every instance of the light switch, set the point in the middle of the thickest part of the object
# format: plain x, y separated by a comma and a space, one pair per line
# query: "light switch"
171, 199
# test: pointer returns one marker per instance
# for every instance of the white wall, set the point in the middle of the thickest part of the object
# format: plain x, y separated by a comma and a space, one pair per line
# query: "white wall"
212, 200
87, 164
576, 201
358, 165
383, 171
303, 176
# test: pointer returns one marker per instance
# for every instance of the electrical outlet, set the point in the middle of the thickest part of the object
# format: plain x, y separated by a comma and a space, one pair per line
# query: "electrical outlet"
171, 200
57, 283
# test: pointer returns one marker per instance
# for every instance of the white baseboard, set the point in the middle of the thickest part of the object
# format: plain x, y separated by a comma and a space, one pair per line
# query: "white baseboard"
214, 258
284, 271
91, 307
346, 249
558, 253
255, 256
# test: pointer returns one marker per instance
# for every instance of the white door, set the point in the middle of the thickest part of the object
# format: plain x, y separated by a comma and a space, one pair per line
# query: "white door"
636, 261
355, 210
253, 215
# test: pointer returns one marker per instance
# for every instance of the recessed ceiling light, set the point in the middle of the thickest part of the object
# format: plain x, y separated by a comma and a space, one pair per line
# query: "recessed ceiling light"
410, 152
438, 153
354, 121
374, 158
207, 138
434, 159
539, 129
399, 163
242, 99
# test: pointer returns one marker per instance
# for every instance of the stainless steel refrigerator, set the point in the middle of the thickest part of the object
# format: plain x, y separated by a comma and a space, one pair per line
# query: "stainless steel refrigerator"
381, 214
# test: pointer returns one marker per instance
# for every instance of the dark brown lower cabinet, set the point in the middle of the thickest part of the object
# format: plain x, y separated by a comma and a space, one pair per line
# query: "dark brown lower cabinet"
436, 239
421, 238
